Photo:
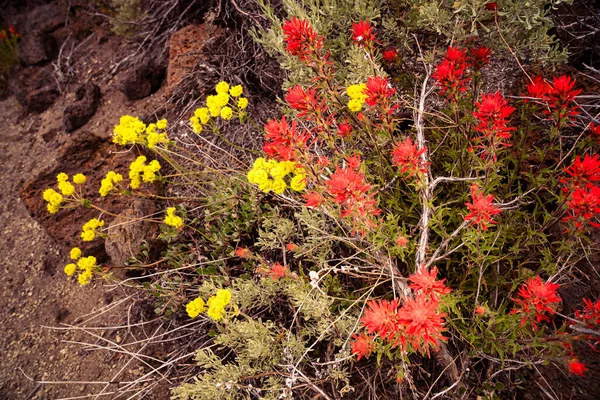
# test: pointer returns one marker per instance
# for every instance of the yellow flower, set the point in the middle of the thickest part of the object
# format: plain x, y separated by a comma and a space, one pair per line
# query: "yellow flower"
355, 105
161, 124
357, 91
223, 296
236, 91
298, 183
79, 179
70, 269
129, 131
75, 253
265, 185
222, 99
62, 177
89, 230
216, 312
226, 113
242, 103
278, 185
66, 188
108, 183
54, 199
84, 278
202, 114
155, 138
195, 307
87, 263
196, 126
173, 220
222, 87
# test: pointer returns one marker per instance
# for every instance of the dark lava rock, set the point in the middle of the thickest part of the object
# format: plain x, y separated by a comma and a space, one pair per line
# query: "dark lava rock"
87, 99
143, 81
37, 47
34, 88
42, 99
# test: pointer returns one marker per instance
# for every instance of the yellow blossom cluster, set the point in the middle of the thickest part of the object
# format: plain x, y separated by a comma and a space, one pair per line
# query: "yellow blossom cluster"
270, 175
66, 188
140, 171
195, 307
85, 265
173, 220
357, 96
89, 229
216, 305
219, 105
133, 131
108, 183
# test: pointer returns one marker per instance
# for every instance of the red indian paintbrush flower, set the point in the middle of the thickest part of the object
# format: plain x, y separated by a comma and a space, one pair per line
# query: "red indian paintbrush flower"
381, 318
450, 74
493, 112
576, 367
480, 57
304, 101
583, 206
422, 322
362, 345
407, 156
283, 140
590, 314
595, 131
561, 100
363, 34
538, 88
390, 55
347, 184
482, 208
243, 252
379, 92
301, 39
344, 129
537, 299
313, 199
425, 282
582, 172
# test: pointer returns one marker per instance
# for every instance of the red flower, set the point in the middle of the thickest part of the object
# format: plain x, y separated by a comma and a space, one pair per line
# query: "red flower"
493, 6
407, 156
282, 141
363, 34
480, 57
354, 162
482, 208
538, 88
584, 205
344, 129
582, 172
243, 252
304, 101
390, 55
493, 112
537, 298
313, 199
590, 314
424, 282
479, 310
401, 241
561, 100
2, 34
422, 322
276, 271
381, 318
301, 39
450, 73
595, 131
291, 247
12, 30
347, 184
379, 92
576, 367
362, 346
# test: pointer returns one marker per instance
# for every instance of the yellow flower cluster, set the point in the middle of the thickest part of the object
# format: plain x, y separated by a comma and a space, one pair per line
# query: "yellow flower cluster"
218, 105
66, 188
195, 307
139, 171
85, 264
173, 220
216, 305
89, 229
133, 131
108, 183
357, 96
54, 200
263, 170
